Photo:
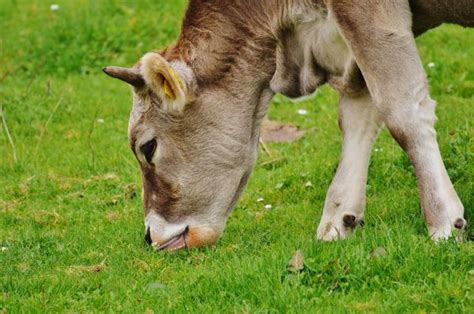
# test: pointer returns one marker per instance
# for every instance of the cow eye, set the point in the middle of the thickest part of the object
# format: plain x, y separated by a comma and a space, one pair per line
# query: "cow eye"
148, 149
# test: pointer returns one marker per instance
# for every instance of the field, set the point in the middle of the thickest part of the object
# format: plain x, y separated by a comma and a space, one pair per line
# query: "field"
71, 217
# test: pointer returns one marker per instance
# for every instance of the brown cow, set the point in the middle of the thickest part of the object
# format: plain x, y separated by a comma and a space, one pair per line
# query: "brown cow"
198, 105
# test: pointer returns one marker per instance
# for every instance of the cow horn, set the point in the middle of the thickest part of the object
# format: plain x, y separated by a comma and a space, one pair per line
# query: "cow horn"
127, 75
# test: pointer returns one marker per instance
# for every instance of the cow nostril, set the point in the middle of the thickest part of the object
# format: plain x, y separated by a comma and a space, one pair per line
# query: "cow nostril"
148, 236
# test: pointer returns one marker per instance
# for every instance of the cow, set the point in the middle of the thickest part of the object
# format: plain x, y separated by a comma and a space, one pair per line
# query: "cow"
198, 105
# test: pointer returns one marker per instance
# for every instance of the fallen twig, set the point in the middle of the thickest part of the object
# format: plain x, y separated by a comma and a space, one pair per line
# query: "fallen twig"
271, 161
4, 77
10, 139
45, 128
73, 270
89, 136
265, 147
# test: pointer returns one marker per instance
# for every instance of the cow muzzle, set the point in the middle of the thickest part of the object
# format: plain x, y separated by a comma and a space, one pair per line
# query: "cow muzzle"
164, 236
175, 243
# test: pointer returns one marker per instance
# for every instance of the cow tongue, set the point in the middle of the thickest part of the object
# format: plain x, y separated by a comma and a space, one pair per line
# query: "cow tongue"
175, 243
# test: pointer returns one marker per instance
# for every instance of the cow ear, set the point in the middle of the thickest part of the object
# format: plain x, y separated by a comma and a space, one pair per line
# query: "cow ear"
168, 80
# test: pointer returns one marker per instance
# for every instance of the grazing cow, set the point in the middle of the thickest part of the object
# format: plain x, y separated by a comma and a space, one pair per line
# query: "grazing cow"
198, 105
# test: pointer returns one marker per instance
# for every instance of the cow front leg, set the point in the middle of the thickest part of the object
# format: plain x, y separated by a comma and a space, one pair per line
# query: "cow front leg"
412, 125
345, 201
385, 50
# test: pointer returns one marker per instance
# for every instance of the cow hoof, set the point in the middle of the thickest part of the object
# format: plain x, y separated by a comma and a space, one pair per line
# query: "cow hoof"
455, 230
338, 230
329, 232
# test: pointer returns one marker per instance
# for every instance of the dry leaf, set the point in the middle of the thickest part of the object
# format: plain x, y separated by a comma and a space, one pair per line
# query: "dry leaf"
23, 267
43, 217
107, 176
378, 252
113, 216
73, 270
141, 265
272, 131
232, 247
364, 307
296, 263
8, 206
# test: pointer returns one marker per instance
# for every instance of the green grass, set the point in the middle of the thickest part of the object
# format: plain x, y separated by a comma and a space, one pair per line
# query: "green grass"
71, 221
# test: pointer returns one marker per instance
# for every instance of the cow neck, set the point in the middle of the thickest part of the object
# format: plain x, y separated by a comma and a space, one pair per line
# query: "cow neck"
231, 51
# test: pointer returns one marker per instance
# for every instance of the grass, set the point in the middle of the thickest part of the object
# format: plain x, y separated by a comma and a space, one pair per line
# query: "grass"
71, 224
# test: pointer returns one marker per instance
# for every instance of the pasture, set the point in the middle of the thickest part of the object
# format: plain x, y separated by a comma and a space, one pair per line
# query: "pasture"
71, 216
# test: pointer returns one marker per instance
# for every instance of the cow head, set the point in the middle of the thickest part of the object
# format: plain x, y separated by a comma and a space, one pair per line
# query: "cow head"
194, 147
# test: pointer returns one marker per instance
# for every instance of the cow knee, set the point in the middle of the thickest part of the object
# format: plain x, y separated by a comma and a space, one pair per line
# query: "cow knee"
413, 124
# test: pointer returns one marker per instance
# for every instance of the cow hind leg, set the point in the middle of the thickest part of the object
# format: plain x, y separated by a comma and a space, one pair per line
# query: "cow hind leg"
345, 201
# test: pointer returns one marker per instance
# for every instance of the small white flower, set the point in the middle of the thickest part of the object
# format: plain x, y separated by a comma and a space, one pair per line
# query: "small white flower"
260, 199
431, 65
268, 206
4, 248
54, 7
302, 112
308, 184
100, 120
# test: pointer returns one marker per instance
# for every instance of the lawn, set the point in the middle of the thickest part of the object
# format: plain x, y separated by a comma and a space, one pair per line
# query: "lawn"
71, 218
